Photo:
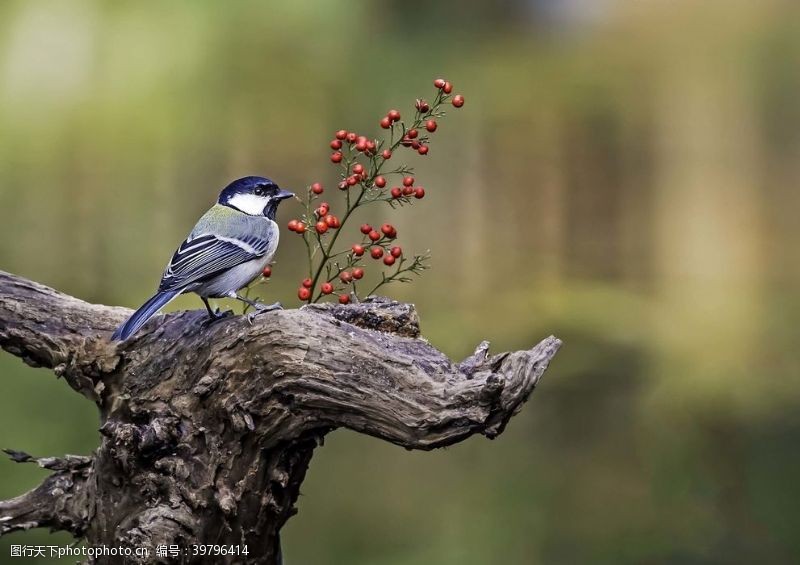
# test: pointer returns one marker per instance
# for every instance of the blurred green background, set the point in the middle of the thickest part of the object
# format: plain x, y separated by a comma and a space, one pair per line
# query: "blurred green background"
624, 175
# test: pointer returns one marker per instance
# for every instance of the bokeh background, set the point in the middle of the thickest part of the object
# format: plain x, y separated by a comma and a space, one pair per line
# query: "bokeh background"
624, 175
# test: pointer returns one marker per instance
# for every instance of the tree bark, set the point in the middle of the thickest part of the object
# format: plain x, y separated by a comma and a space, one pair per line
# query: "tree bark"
207, 429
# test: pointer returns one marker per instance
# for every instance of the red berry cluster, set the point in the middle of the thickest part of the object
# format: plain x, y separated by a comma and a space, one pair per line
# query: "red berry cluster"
378, 244
358, 142
323, 221
364, 179
408, 189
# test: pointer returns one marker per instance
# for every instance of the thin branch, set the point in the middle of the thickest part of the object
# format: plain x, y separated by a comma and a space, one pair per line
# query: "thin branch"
61, 502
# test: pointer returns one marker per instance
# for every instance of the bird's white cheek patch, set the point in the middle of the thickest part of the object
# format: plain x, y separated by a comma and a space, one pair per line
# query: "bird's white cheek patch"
249, 203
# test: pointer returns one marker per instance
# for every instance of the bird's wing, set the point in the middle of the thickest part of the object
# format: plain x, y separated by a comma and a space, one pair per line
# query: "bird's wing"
207, 255
204, 255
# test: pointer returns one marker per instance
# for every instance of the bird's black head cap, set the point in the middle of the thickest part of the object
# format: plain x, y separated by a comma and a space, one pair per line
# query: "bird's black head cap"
257, 196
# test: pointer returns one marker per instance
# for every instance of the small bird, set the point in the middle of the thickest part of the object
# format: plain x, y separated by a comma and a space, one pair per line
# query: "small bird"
227, 249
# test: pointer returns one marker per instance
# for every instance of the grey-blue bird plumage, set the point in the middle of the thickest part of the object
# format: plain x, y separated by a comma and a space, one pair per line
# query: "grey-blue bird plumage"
226, 250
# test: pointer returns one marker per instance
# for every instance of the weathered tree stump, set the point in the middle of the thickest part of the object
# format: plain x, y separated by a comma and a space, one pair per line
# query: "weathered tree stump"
207, 429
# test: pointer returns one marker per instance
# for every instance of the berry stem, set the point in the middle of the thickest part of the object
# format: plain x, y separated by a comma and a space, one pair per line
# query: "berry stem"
416, 267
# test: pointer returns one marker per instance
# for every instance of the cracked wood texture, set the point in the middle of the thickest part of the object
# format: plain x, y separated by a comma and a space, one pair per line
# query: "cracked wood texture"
207, 429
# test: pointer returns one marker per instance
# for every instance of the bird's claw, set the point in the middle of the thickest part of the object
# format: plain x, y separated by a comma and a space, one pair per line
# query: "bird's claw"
261, 308
217, 316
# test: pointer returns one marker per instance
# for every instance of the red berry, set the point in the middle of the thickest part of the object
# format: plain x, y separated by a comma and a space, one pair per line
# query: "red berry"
358, 250
405, 141
380, 182
361, 145
352, 180
267, 272
393, 115
412, 134
303, 293
341, 134
374, 236
389, 231
332, 221
358, 168
301, 227
345, 277
351, 137
431, 125
422, 106
292, 225
326, 288
344, 299
389, 260
386, 123
323, 209
307, 283
415, 144
336, 157
408, 190
396, 192
423, 150
316, 188
419, 193
447, 88
386, 154
358, 272
321, 227
376, 252
366, 228
336, 144
396, 252
371, 146
408, 181
458, 101
439, 83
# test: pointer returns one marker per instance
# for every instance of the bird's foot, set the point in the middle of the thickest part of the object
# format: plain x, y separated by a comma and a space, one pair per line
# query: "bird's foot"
217, 316
261, 308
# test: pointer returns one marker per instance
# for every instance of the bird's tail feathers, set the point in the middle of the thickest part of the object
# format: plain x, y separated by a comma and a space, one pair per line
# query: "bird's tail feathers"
144, 313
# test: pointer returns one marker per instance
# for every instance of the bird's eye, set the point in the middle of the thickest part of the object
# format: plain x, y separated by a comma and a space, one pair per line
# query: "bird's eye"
259, 191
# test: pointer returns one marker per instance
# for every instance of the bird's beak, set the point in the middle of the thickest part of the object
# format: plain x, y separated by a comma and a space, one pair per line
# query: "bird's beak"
284, 194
